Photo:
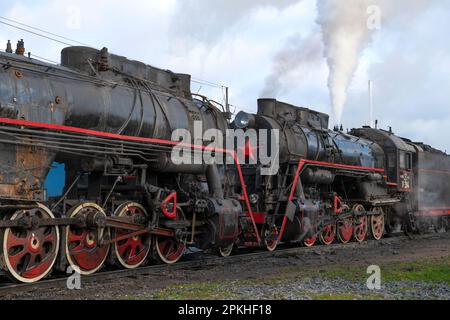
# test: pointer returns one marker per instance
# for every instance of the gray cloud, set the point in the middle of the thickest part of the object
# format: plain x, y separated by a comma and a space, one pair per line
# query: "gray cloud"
207, 21
412, 90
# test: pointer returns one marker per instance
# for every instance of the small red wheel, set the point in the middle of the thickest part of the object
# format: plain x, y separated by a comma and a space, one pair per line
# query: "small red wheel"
133, 251
309, 242
29, 255
345, 230
376, 223
360, 227
270, 237
170, 249
327, 234
84, 251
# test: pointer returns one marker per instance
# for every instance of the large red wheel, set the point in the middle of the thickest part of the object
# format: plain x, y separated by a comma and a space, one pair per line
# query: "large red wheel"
376, 223
344, 230
170, 249
29, 254
360, 227
84, 250
133, 251
328, 234
270, 237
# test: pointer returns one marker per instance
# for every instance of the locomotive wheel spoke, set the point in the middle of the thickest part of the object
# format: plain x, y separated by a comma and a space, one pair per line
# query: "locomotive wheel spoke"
360, 227
170, 249
328, 234
83, 251
15, 258
132, 252
376, 223
29, 255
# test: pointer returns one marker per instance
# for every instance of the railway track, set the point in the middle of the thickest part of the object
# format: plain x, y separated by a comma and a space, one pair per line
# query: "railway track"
202, 261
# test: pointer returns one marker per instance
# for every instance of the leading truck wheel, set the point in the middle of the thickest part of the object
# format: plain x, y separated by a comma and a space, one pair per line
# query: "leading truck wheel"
270, 237
84, 250
28, 255
309, 242
225, 251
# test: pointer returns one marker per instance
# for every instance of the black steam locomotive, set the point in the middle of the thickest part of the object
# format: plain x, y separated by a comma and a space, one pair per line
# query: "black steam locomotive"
335, 185
110, 120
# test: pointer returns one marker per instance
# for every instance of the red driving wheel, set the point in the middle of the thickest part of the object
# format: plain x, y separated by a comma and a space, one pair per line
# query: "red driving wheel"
344, 230
360, 223
328, 234
376, 223
170, 249
132, 252
29, 254
84, 250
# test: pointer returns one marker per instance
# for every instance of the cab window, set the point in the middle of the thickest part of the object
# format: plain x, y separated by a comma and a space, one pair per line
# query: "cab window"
405, 160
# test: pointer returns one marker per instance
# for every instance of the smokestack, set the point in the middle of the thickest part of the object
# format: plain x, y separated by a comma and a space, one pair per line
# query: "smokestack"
20, 50
371, 104
9, 47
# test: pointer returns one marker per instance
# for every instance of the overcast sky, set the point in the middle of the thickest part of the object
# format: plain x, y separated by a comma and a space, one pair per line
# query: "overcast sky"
260, 47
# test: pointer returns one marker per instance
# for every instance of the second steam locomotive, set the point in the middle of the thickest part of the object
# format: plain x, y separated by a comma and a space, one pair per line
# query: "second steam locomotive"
109, 122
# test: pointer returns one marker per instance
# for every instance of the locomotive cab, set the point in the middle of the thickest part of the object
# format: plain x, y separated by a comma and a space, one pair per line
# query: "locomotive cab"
398, 157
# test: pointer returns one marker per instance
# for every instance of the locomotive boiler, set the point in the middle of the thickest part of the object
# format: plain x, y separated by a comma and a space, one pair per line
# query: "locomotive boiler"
96, 91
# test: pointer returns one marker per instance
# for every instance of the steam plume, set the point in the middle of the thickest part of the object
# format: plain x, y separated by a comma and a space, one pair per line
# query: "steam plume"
345, 34
299, 54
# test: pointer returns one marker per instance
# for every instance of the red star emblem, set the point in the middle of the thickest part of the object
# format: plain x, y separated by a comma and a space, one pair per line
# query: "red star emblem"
248, 150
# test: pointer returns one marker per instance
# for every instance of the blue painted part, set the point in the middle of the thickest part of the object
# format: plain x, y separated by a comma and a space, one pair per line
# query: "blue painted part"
56, 180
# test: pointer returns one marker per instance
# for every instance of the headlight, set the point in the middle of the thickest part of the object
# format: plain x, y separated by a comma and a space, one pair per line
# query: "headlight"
243, 120
253, 198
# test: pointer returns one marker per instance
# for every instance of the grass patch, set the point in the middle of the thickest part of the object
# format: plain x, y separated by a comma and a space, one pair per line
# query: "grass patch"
346, 296
433, 270
194, 291
437, 270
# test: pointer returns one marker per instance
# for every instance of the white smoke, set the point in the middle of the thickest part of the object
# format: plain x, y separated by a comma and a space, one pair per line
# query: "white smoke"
347, 29
345, 34
298, 55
